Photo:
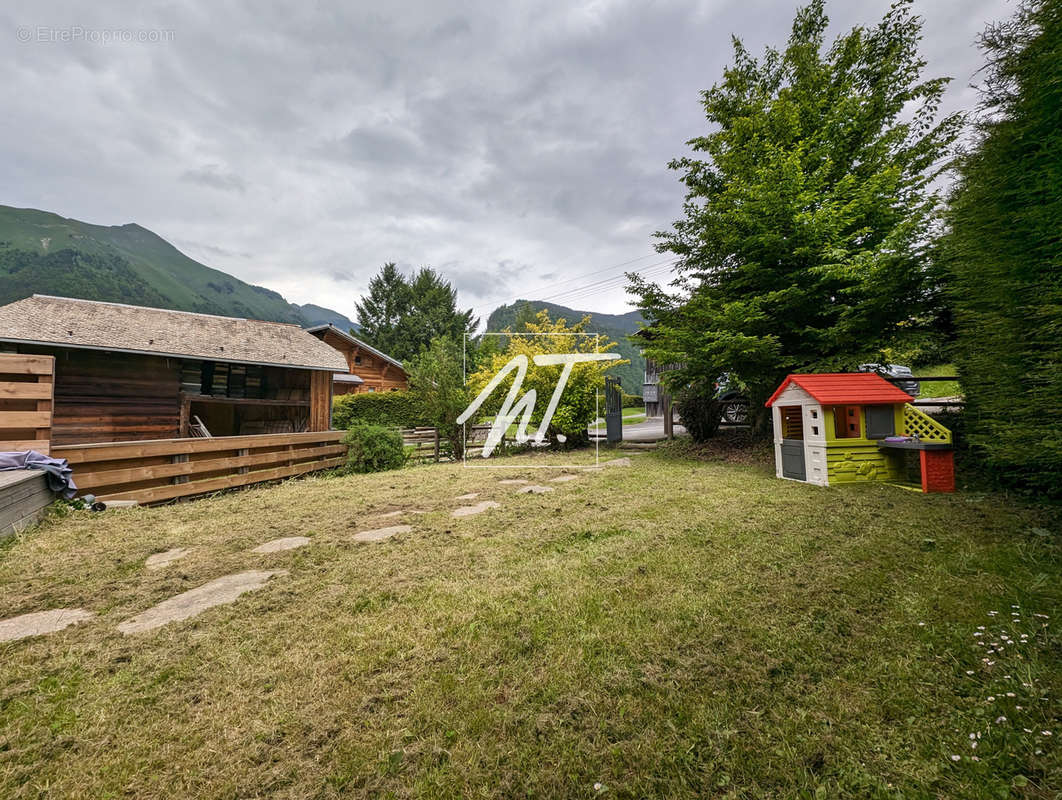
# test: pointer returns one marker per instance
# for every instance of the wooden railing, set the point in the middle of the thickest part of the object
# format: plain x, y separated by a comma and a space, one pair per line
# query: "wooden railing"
165, 469
429, 445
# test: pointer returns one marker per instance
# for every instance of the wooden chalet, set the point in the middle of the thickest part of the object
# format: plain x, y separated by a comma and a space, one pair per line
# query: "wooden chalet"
368, 370
125, 373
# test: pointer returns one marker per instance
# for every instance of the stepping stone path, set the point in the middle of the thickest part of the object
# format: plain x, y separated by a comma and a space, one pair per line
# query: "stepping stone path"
469, 496
277, 545
478, 508
41, 622
533, 489
380, 534
195, 601
563, 478
160, 560
619, 462
513, 482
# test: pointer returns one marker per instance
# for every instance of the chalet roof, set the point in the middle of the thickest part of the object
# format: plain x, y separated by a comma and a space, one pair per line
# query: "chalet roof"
330, 328
91, 325
346, 377
865, 388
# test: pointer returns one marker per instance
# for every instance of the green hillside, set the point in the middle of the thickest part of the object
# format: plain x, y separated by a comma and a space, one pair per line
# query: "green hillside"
318, 315
616, 326
44, 253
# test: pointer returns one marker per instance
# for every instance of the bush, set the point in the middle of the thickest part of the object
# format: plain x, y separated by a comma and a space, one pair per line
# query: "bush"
699, 411
389, 409
632, 400
373, 448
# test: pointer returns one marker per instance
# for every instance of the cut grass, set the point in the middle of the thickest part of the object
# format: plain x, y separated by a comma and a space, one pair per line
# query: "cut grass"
671, 629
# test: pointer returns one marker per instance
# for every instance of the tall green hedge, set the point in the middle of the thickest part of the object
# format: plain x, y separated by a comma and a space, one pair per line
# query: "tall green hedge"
1006, 256
390, 409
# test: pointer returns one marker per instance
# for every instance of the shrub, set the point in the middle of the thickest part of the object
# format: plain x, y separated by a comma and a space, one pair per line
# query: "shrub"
699, 411
373, 448
389, 409
632, 400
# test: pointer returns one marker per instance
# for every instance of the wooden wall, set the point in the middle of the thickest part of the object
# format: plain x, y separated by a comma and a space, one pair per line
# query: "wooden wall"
378, 374
25, 402
123, 397
114, 397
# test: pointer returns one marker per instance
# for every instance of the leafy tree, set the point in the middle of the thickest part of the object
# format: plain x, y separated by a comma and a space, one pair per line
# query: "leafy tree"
1005, 253
437, 384
578, 405
810, 212
401, 315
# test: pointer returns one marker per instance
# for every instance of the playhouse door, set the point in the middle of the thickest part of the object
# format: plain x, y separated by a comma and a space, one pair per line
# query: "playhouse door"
793, 460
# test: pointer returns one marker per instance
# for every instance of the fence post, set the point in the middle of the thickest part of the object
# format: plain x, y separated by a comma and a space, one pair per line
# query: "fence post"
436, 445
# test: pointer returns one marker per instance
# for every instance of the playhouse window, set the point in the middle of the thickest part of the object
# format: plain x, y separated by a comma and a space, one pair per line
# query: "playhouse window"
792, 422
846, 422
881, 422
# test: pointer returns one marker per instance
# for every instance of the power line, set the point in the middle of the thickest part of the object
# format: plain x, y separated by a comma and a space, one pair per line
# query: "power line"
608, 283
566, 281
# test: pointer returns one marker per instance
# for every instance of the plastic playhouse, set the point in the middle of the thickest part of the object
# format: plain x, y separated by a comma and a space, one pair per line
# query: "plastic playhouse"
855, 427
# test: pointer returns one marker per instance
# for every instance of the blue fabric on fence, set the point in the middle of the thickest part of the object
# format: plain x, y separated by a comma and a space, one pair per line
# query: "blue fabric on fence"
59, 474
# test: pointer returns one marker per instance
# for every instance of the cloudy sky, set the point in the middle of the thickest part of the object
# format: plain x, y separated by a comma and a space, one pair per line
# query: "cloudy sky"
519, 148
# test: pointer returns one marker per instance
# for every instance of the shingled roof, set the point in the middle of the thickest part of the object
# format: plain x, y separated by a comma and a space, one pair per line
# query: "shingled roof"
91, 325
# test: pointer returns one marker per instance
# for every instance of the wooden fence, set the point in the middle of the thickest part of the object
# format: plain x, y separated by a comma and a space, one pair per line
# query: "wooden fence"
26, 402
165, 469
429, 445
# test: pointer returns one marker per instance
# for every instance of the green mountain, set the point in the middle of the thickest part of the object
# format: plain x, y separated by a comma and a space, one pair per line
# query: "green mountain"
318, 315
616, 326
44, 253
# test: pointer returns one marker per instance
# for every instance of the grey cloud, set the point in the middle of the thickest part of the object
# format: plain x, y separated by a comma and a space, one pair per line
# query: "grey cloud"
215, 177
509, 146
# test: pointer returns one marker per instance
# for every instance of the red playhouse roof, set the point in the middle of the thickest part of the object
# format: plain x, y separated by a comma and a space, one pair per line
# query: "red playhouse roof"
865, 388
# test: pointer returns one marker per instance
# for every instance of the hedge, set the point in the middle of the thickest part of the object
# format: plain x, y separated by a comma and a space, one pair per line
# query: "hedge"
390, 409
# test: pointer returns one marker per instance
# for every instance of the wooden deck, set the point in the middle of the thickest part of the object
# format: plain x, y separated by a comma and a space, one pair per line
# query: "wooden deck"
24, 495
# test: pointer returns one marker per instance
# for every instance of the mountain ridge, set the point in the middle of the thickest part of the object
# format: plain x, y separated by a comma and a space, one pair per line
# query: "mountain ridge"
42, 252
616, 326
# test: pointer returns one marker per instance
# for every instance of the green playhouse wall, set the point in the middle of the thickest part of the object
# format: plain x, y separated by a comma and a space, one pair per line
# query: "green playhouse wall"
860, 460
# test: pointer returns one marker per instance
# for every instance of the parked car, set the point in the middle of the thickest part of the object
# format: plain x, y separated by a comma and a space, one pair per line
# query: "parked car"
735, 405
895, 371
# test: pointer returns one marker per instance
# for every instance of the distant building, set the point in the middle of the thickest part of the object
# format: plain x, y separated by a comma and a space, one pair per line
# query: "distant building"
368, 370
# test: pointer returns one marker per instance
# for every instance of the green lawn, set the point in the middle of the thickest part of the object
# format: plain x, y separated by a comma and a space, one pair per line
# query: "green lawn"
938, 388
674, 628
631, 416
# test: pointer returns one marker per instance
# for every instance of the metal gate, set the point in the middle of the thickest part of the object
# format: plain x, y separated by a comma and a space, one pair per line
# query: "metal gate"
613, 410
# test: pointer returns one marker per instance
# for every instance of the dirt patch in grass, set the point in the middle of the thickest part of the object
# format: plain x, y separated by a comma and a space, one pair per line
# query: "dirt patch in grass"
737, 446
678, 628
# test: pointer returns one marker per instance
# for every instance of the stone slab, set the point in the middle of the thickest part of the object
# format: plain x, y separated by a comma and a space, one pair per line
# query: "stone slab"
195, 601
379, 534
278, 545
39, 623
160, 560
478, 508
533, 489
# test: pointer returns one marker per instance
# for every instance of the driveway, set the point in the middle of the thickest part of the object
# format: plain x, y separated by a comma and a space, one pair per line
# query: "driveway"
652, 430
